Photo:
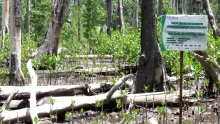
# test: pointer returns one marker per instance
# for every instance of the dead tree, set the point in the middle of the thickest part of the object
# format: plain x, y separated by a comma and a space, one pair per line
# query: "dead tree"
52, 37
16, 76
5, 20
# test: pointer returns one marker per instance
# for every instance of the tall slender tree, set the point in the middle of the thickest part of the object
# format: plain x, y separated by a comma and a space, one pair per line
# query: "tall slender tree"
5, 20
79, 21
150, 68
109, 18
121, 16
28, 16
16, 76
137, 14
160, 8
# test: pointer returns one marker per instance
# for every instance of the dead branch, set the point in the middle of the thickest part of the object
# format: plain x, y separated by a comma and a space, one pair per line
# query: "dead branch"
33, 76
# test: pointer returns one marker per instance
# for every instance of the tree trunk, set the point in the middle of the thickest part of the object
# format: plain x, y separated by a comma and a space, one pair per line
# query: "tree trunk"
28, 17
5, 20
79, 23
191, 7
52, 37
160, 8
198, 7
216, 31
109, 19
150, 69
217, 13
137, 14
45, 91
16, 76
212, 70
121, 17
184, 7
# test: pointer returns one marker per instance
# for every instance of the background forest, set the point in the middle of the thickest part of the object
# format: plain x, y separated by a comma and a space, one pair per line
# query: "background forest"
85, 31
106, 28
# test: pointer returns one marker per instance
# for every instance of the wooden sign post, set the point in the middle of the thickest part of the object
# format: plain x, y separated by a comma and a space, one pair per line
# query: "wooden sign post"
184, 33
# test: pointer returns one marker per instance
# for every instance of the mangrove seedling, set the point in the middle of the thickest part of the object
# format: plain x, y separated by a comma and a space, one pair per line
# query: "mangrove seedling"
146, 88
69, 116
72, 104
128, 117
53, 117
119, 103
161, 112
201, 111
36, 120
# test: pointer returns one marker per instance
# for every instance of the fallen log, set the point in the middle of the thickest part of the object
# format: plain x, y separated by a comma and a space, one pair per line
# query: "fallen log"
44, 91
59, 107
63, 104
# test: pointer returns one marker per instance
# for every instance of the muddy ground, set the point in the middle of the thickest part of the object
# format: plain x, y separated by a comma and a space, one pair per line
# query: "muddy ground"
203, 111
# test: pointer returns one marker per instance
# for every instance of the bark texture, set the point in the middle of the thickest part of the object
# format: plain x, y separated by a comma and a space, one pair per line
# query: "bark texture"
216, 31
16, 76
137, 14
28, 16
63, 104
212, 69
121, 17
5, 20
160, 7
150, 69
52, 37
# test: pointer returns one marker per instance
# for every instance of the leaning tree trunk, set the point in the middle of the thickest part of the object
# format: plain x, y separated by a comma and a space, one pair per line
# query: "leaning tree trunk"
109, 19
52, 37
212, 70
5, 19
16, 76
150, 69
217, 13
121, 17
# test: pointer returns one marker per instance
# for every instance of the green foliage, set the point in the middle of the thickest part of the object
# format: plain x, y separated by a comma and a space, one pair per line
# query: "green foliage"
93, 16
198, 95
36, 120
135, 111
124, 92
207, 82
52, 101
73, 102
128, 117
119, 103
98, 103
146, 88
160, 111
81, 111
69, 116
202, 109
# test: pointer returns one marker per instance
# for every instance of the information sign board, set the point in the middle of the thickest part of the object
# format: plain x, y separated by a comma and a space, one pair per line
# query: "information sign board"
184, 32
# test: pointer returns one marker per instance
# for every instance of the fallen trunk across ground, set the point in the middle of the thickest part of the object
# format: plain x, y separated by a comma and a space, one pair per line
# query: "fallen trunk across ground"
63, 104
44, 91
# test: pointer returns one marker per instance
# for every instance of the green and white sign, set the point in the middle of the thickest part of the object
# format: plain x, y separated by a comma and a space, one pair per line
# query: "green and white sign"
184, 32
